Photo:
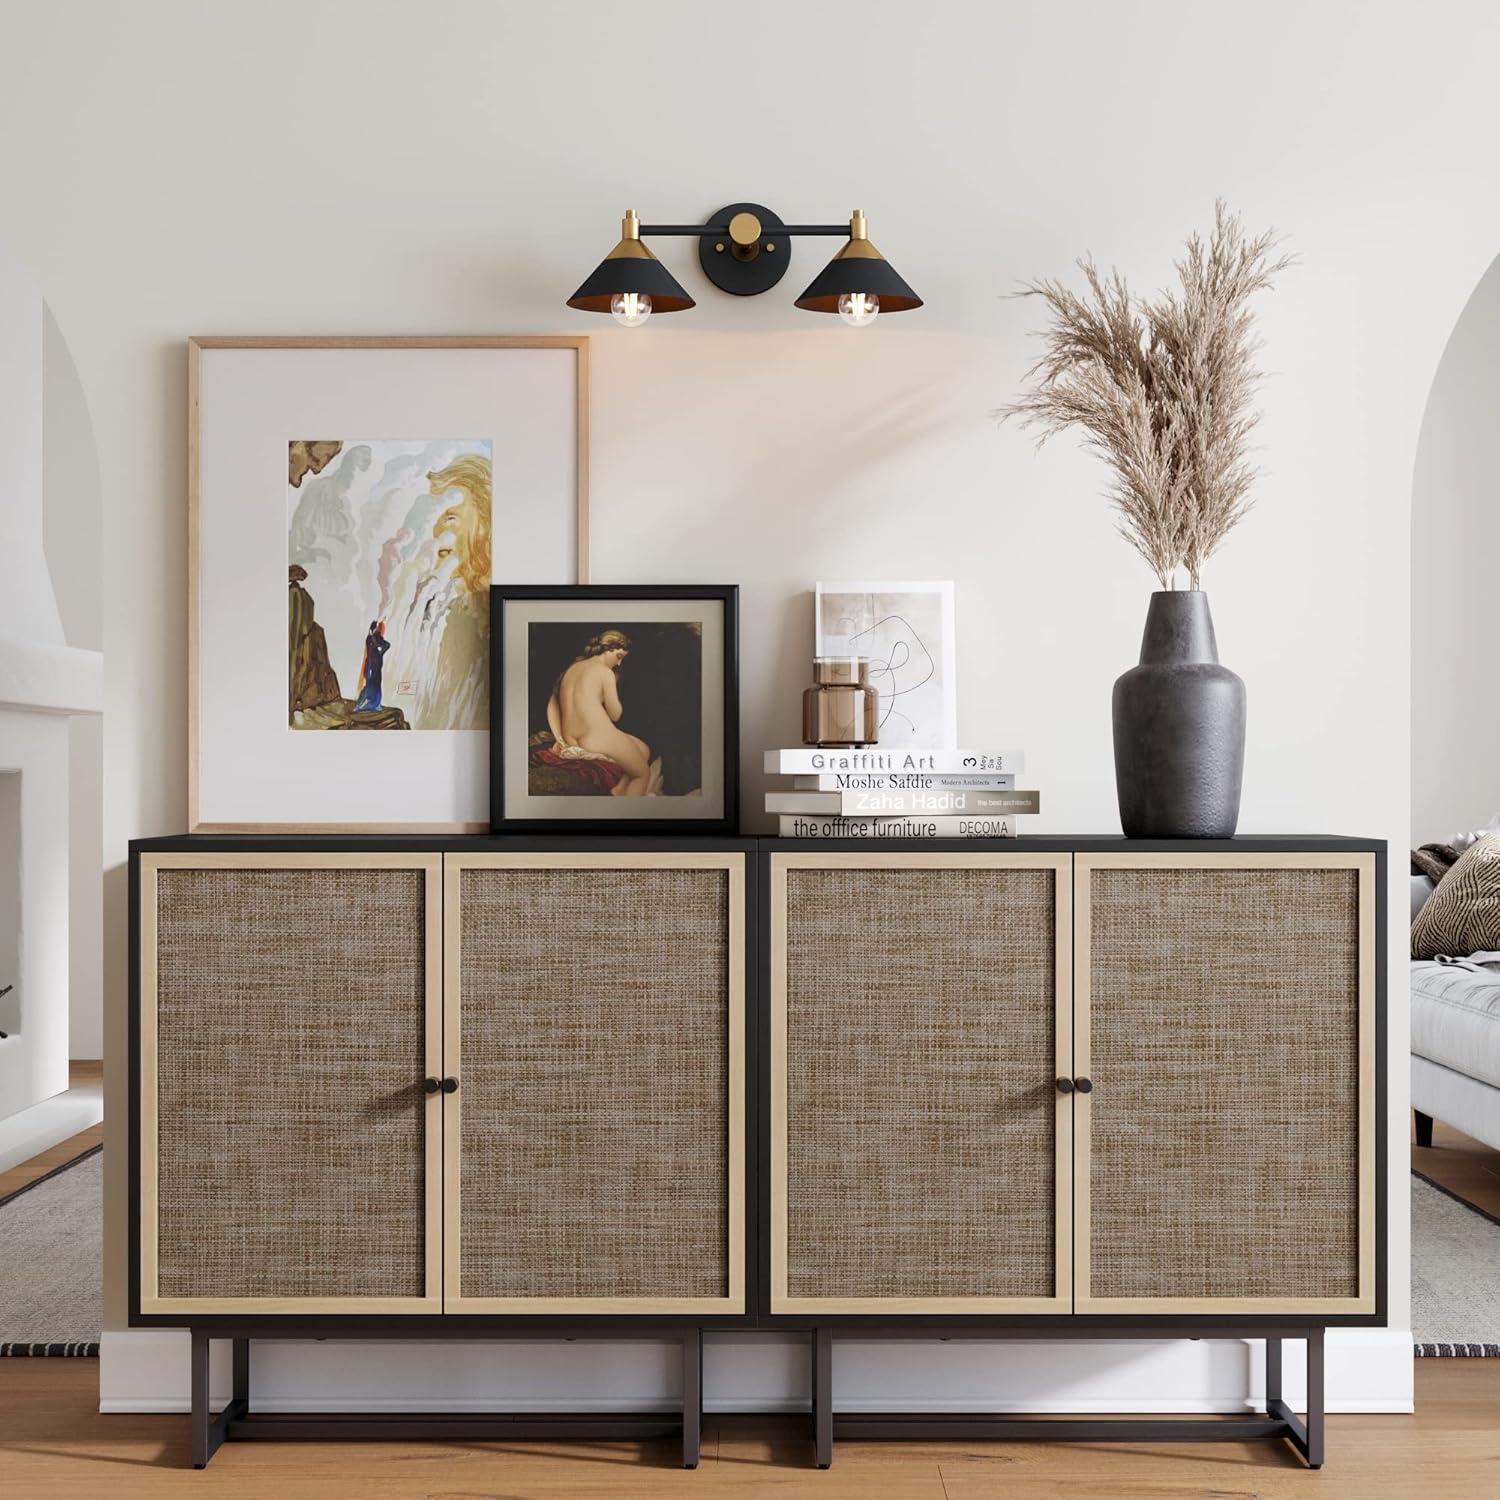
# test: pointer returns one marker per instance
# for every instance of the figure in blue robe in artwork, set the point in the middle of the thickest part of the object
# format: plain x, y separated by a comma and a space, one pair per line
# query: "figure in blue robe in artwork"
370, 669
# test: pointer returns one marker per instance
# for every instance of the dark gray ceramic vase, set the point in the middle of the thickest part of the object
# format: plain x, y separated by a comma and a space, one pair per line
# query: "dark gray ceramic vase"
1179, 720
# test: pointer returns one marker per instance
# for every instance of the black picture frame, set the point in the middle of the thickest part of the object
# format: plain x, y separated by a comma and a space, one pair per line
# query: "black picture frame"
505, 819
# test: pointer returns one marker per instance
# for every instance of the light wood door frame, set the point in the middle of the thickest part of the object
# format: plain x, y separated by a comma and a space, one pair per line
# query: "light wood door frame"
1061, 866
732, 863
1364, 865
151, 865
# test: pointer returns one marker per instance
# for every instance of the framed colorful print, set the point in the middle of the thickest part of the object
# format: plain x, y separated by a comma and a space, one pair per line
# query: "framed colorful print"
905, 630
383, 484
614, 709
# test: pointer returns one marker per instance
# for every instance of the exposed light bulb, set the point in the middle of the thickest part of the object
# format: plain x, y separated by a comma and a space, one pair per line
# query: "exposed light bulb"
630, 309
858, 309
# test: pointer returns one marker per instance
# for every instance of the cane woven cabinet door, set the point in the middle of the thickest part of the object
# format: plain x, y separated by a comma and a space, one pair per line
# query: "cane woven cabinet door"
1226, 1017
921, 1152
290, 1012
595, 1020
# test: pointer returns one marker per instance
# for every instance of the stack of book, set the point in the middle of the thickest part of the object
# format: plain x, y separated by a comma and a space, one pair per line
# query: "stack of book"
899, 793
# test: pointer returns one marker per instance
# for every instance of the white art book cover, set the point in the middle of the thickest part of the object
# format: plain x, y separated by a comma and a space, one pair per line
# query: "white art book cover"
906, 632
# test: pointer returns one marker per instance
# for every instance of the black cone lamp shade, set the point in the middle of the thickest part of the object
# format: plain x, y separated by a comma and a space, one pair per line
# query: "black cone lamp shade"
631, 267
858, 268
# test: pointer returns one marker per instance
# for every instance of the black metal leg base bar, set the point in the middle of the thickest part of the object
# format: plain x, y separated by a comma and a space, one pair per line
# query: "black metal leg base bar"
237, 1422
1278, 1420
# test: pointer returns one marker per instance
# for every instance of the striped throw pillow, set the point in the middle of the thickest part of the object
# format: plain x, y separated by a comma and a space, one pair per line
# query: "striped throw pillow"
1462, 915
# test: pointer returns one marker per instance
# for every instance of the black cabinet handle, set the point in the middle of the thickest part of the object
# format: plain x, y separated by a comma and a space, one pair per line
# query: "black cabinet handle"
431, 1086
1084, 1085
450, 1085
1064, 1085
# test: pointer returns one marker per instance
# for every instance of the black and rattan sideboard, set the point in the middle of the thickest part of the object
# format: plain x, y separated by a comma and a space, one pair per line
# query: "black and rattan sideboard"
488, 1088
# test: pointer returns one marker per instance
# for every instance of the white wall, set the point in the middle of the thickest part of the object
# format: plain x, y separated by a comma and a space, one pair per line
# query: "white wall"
461, 165
28, 610
34, 1056
10, 902
1455, 595
51, 534
73, 539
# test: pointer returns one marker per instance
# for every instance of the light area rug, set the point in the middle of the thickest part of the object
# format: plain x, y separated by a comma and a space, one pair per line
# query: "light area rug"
1455, 1275
51, 1269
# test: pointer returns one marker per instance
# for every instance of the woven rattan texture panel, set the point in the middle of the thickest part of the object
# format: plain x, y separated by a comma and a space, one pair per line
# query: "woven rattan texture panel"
290, 1057
1225, 1066
920, 1094
595, 1073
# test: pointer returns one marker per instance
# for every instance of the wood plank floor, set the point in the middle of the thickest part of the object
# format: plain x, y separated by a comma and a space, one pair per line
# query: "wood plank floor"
1462, 1165
54, 1444
85, 1070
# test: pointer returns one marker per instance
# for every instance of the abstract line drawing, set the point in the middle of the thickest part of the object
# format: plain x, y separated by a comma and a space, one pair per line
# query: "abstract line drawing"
905, 631
900, 665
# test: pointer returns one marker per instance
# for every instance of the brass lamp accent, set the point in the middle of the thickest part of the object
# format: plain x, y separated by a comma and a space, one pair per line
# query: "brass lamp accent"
630, 270
744, 250
858, 271
744, 230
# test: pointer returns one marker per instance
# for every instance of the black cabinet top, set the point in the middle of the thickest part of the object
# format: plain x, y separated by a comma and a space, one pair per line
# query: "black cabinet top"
259, 843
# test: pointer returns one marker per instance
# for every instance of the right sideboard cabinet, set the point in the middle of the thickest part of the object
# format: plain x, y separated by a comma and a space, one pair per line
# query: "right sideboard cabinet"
1125, 1083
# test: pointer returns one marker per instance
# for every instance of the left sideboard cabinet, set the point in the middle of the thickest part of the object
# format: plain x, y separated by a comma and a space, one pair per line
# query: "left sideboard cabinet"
493, 1084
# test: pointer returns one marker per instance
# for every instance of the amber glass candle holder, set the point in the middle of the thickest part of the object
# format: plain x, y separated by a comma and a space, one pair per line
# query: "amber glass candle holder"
839, 712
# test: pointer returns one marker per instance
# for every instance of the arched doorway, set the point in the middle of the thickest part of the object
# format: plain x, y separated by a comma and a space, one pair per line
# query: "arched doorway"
1455, 795
50, 730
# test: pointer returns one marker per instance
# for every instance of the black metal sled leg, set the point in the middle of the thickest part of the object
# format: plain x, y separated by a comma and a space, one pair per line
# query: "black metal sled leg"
1306, 1438
208, 1431
1424, 1128
204, 1442
822, 1396
1315, 1399
241, 1388
692, 1397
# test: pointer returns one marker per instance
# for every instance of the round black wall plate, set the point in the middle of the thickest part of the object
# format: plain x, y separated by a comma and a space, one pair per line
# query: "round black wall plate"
745, 278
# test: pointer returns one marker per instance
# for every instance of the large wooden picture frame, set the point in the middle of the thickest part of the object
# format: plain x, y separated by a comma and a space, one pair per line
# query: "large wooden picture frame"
418, 470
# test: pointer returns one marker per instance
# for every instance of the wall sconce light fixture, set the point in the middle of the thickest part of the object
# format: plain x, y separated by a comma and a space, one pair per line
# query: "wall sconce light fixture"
743, 250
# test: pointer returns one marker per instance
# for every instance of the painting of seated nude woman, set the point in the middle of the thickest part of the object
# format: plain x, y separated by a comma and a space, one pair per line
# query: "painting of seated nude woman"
614, 706
615, 711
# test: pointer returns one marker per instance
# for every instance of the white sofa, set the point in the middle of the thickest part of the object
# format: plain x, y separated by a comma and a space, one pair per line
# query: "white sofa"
1455, 1043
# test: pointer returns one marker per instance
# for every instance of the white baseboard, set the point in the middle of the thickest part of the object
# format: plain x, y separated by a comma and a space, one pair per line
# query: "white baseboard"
40, 1127
1368, 1370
